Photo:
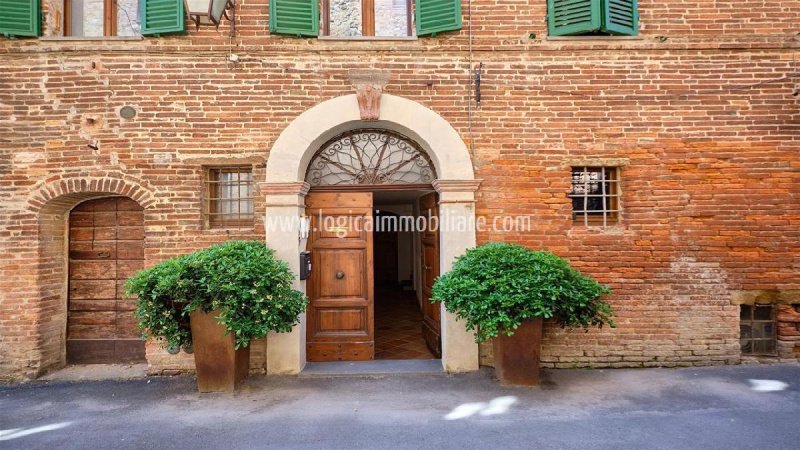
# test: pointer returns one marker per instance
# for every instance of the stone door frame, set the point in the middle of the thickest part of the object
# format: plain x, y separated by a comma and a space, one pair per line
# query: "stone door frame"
285, 190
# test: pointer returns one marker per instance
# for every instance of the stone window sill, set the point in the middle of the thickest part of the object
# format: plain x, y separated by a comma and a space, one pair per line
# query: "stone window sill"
90, 38
367, 38
595, 38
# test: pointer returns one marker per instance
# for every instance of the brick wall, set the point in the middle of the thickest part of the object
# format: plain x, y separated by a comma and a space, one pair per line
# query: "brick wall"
699, 111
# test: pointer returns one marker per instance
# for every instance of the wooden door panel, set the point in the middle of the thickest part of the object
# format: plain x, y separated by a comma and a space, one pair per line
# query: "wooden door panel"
126, 269
340, 289
92, 289
91, 304
89, 250
431, 312
101, 327
102, 269
335, 321
129, 218
130, 250
130, 233
105, 220
344, 272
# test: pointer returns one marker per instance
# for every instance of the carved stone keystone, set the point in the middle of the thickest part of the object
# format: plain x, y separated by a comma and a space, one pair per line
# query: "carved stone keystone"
369, 86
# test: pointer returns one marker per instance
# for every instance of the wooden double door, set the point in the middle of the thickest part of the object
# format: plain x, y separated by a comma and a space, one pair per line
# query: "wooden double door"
106, 247
340, 315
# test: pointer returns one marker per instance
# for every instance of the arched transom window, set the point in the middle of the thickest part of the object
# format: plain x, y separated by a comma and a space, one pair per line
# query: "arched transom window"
370, 156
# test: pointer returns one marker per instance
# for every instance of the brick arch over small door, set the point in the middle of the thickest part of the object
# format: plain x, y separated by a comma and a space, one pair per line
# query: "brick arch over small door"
106, 247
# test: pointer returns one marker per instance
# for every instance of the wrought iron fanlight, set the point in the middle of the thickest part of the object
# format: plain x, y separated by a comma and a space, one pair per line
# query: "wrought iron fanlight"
370, 157
209, 12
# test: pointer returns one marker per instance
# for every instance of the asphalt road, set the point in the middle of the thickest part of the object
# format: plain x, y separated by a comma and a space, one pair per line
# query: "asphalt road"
704, 408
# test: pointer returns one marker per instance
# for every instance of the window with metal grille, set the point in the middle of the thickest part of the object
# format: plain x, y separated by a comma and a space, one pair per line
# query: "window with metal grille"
228, 201
595, 195
757, 329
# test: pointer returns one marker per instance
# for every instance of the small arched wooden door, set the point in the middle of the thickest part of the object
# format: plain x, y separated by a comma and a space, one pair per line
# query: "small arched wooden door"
106, 247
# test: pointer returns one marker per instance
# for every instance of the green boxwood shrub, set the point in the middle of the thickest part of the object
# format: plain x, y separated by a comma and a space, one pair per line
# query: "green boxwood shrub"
251, 288
497, 286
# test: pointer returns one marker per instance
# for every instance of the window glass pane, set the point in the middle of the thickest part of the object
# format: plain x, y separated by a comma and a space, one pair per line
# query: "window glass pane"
764, 347
92, 14
595, 195
76, 18
763, 312
128, 18
345, 18
391, 18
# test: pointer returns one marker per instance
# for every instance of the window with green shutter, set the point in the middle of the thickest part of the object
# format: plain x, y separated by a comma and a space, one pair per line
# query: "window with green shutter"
364, 18
576, 17
295, 17
435, 16
162, 16
20, 18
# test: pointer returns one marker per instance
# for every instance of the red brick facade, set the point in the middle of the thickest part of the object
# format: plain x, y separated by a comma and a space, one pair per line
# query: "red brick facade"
700, 111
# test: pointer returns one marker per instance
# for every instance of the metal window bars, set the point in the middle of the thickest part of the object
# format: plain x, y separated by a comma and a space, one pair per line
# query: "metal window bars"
595, 195
757, 330
229, 197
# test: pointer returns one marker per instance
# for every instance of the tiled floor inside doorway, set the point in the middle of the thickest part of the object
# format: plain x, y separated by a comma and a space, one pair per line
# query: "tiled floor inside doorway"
398, 325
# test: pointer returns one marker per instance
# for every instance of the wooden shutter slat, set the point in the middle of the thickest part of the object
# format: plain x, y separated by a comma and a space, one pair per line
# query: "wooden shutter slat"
568, 17
162, 16
621, 17
295, 17
20, 18
436, 16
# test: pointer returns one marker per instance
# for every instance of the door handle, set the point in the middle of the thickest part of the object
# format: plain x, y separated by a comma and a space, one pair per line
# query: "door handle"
339, 275
103, 254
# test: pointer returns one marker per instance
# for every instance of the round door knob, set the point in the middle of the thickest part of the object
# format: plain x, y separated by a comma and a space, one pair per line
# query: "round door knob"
339, 275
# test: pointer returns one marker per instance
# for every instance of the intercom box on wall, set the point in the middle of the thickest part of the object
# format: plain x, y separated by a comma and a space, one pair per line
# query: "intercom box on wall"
305, 265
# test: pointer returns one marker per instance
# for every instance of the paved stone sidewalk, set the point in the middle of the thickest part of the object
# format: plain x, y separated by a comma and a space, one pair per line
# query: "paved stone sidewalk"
703, 408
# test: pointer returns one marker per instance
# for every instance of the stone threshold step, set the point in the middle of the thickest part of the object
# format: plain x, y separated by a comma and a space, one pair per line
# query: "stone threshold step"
373, 368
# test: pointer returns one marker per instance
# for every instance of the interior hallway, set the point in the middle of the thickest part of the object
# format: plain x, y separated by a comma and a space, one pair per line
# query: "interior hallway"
398, 325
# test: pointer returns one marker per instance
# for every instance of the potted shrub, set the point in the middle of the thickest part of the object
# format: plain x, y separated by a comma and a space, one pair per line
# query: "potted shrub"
504, 291
213, 302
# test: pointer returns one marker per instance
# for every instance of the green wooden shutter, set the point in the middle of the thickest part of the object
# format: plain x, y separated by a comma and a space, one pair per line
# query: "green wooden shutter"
566, 17
20, 18
162, 16
621, 16
295, 17
435, 16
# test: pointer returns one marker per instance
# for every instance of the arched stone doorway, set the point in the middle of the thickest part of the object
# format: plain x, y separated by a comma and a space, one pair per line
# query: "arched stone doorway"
286, 188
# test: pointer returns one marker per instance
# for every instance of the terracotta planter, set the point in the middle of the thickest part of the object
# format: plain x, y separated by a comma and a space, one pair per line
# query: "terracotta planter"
220, 368
516, 358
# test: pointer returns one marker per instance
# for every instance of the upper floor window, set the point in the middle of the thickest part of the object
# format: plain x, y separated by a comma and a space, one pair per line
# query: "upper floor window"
94, 18
595, 195
355, 18
587, 17
364, 18
101, 18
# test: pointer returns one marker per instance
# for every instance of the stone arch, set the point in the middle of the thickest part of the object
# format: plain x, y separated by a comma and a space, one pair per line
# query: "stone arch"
298, 142
69, 190
50, 206
285, 189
